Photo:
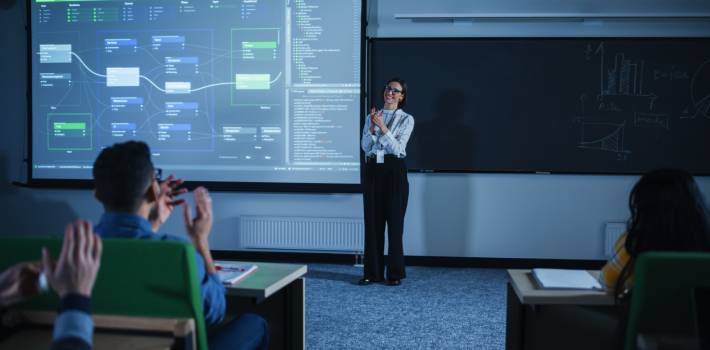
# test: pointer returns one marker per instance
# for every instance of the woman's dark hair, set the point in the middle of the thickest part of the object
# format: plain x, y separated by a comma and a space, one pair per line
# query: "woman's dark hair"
401, 82
668, 212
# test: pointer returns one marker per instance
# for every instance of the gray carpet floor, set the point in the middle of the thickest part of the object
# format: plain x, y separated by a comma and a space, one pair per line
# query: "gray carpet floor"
434, 308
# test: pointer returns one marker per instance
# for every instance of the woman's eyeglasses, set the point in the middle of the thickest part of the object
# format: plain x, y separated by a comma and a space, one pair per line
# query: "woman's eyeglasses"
392, 90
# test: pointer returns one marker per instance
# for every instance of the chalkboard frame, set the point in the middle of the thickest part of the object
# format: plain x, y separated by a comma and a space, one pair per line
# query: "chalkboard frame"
371, 90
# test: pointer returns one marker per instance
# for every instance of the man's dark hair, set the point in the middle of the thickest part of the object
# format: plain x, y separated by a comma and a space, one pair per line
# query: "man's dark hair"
122, 175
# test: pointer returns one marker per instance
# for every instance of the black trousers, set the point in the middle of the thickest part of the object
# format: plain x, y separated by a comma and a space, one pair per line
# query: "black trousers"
385, 196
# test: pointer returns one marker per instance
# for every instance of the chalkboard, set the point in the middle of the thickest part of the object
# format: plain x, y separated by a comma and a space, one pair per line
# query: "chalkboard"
581, 105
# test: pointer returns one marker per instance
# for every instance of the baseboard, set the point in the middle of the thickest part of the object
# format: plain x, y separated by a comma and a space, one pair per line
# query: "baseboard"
440, 261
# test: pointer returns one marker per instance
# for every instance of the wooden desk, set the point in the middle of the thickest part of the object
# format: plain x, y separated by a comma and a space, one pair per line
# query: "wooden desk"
277, 293
528, 293
524, 299
33, 330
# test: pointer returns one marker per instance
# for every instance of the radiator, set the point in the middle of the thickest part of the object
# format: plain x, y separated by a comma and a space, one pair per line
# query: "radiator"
301, 233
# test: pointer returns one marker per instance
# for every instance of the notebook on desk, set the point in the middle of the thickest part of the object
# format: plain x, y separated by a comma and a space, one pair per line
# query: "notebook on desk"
231, 273
565, 279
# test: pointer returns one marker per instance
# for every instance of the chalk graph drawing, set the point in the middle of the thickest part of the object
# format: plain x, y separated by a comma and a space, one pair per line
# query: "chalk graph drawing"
699, 99
604, 130
622, 101
626, 104
603, 136
622, 78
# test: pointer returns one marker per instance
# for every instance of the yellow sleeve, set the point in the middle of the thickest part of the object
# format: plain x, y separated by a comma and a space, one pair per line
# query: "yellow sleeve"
611, 271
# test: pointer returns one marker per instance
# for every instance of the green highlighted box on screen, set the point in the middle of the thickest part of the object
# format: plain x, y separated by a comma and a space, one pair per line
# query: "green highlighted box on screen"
253, 81
69, 131
69, 126
258, 44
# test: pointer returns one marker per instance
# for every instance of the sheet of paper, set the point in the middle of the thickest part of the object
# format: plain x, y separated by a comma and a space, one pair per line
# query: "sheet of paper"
565, 279
231, 273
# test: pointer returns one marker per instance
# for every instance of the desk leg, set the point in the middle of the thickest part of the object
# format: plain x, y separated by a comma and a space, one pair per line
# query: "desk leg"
296, 315
284, 311
514, 318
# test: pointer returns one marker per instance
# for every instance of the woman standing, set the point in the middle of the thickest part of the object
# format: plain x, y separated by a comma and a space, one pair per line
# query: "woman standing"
386, 189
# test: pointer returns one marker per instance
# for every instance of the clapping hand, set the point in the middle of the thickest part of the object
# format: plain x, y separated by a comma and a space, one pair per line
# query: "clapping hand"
166, 201
75, 271
377, 119
199, 228
19, 282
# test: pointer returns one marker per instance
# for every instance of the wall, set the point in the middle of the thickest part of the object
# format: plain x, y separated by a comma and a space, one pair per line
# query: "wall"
473, 215
383, 24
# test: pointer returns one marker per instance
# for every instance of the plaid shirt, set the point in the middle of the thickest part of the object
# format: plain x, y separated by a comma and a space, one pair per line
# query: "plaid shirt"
611, 271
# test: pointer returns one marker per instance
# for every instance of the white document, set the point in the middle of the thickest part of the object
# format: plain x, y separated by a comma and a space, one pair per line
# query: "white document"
565, 279
231, 273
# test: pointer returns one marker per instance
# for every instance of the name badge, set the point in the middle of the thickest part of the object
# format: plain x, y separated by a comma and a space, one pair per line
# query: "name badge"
380, 156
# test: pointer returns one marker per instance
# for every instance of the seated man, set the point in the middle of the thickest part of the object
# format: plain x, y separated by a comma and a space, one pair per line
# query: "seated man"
72, 277
136, 205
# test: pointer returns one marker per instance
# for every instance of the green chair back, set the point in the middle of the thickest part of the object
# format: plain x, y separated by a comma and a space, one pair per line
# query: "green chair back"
662, 302
137, 278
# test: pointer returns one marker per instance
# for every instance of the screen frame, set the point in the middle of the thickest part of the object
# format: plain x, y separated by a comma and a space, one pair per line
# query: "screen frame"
225, 186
